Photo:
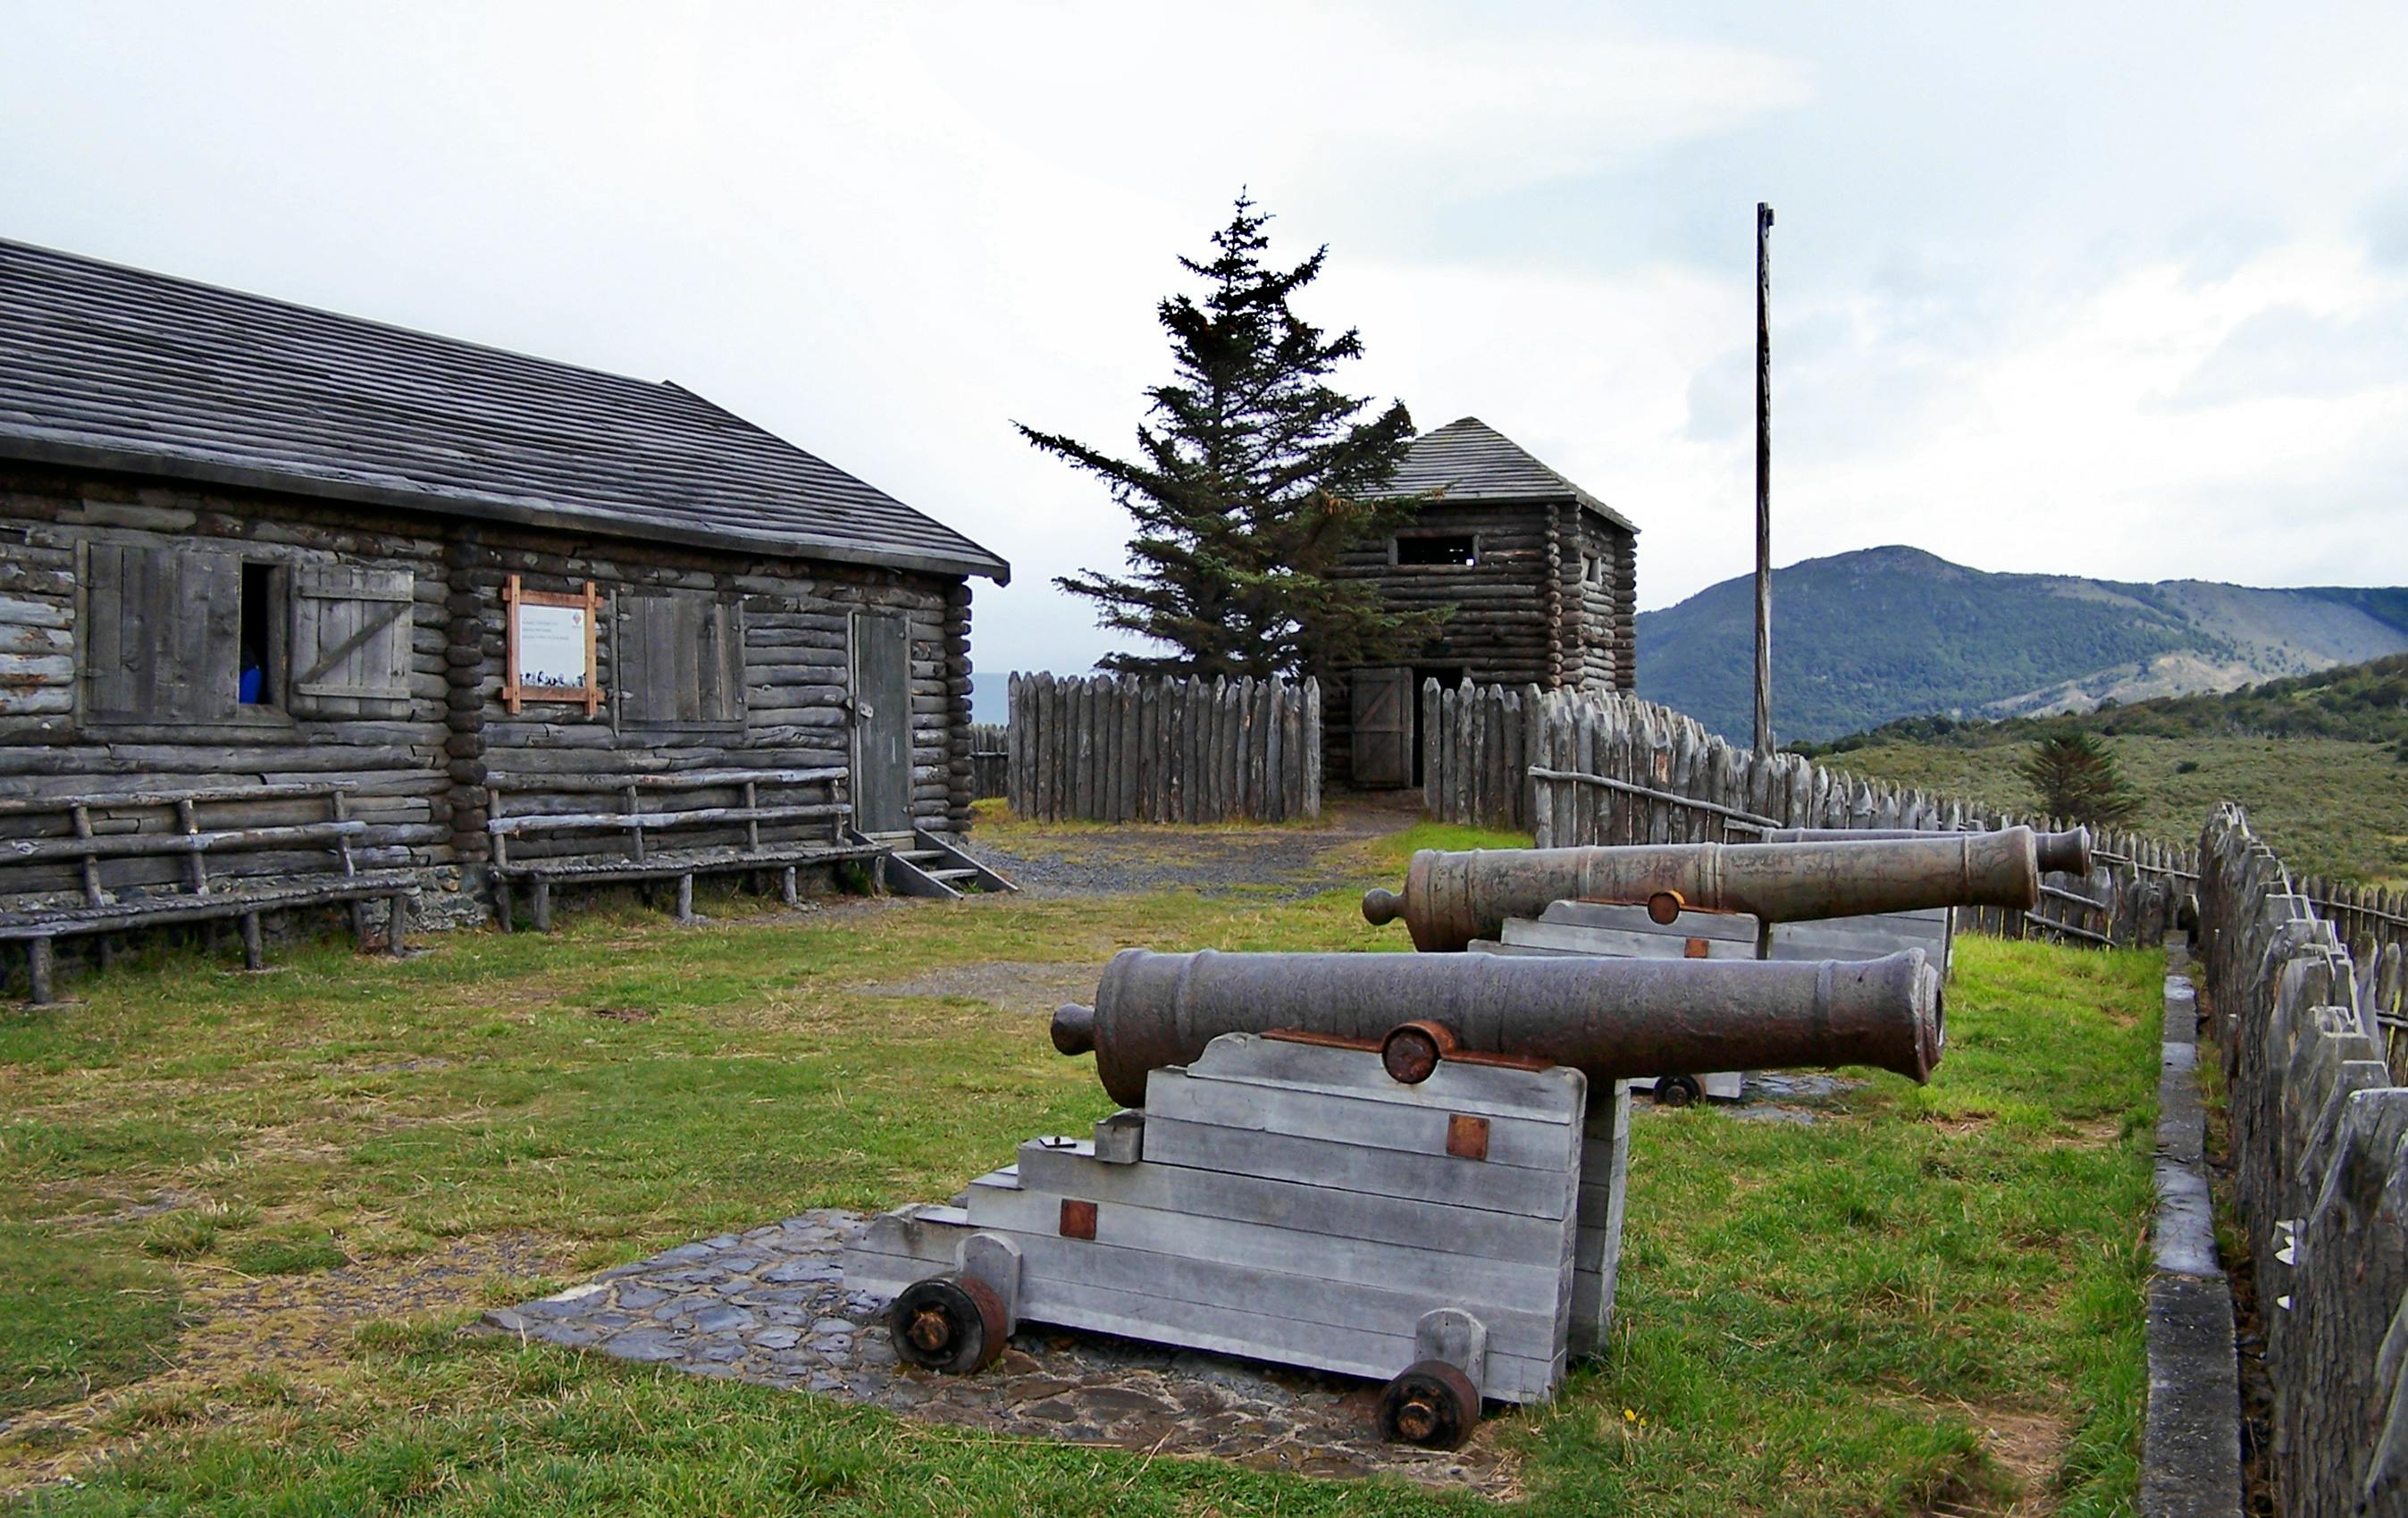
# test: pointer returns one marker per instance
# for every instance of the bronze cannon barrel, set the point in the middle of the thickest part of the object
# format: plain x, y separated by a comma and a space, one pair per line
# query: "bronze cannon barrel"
1614, 1019
1452, 898
2068, 852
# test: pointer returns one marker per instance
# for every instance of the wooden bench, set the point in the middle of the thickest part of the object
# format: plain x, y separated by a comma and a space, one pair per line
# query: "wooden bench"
107, 863
648, 807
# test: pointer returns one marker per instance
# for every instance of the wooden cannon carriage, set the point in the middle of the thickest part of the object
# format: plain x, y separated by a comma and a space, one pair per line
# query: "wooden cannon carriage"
1402, 1166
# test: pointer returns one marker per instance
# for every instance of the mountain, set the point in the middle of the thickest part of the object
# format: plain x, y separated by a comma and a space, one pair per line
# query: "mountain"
2360, 703
1862, 638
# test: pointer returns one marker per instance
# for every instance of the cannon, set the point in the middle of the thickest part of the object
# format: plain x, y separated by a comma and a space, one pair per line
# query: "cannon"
1403, 1166
1452, 898
1611, 1019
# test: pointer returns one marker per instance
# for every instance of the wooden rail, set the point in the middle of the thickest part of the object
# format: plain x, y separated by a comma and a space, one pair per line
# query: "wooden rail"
29, 913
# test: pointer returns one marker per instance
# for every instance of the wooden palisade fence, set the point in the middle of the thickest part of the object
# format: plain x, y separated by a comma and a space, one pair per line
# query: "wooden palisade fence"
2307, 999
990, 759
1580, 766
1153, 749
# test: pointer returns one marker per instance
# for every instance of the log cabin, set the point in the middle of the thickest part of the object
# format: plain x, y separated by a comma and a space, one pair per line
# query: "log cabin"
1540, 575
314, 596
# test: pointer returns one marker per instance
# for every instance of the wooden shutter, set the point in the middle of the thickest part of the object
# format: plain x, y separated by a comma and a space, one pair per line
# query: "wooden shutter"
350, 654
679, 660
162, 636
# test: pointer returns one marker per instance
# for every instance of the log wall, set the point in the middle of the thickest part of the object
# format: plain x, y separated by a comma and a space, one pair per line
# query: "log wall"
1131, 749
395, 764
422, 778
1526, 612
2307, 1002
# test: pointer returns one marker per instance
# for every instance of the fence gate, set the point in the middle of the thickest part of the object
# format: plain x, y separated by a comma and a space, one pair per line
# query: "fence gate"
1383, 708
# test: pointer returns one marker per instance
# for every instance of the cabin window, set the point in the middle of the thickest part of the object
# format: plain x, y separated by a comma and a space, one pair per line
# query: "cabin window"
1431, 550
679, 660
181, 633
254, 668
1593, 570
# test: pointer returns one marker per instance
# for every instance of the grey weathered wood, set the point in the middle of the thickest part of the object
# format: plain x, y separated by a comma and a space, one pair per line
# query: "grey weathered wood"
1597, 1259
1304, 1253
1130, 749
1299, 1205
1456, 1337
1454, 1086
1350, 1119
350, 640
1246, 1331
39, 971
1119, 1139
1731, 927
1437, 1178
1619, 943
1288, 1260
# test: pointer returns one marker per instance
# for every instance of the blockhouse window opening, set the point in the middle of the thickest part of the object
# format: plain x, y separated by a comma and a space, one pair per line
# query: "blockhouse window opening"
1435, 551
256, 664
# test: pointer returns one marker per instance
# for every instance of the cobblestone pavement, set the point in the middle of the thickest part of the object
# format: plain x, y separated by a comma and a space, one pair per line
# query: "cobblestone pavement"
771, 1305
1788, 1097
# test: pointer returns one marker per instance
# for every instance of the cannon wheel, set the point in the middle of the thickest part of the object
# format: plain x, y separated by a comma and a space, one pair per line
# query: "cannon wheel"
954, 1323
1432, 1404
1677, 1090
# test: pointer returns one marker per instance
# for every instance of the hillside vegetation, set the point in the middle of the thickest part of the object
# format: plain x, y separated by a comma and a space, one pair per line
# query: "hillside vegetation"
1866, 638
2321, 762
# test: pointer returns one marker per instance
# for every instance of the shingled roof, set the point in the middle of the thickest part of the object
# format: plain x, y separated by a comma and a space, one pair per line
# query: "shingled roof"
111, 368
1469, 460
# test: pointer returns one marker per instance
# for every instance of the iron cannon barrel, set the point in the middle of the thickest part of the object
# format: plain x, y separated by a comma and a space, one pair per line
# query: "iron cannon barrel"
1612, 1019
1452, 898
2068, 852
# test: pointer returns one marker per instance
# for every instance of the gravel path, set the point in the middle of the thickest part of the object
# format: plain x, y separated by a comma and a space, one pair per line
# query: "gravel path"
1103, 862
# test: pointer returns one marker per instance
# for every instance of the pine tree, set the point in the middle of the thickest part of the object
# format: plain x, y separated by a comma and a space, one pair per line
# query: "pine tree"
2077, 776
1254, 475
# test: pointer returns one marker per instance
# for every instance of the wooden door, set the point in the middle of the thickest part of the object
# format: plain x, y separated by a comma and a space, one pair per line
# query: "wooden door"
880, 702
1383, 708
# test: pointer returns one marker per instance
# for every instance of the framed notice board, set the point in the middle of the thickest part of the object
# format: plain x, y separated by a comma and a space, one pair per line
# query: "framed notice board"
552, 641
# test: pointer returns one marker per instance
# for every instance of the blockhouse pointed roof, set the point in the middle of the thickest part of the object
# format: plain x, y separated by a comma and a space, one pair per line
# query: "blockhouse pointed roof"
105, 366
1469, 460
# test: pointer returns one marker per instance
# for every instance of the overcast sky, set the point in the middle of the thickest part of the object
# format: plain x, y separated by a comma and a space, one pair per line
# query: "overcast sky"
2112, 290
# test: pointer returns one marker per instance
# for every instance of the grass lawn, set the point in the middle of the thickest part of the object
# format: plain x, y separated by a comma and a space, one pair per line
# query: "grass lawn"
2329, 806
240, 1218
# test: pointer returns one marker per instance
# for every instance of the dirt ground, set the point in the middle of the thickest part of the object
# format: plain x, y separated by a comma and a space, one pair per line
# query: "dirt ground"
1285, 862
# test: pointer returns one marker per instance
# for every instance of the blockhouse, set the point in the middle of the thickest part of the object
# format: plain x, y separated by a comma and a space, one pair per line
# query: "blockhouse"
258, 552
1541, 577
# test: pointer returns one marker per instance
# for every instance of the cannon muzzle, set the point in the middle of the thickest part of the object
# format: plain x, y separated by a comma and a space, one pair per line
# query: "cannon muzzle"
1452, 898
1612, 1019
